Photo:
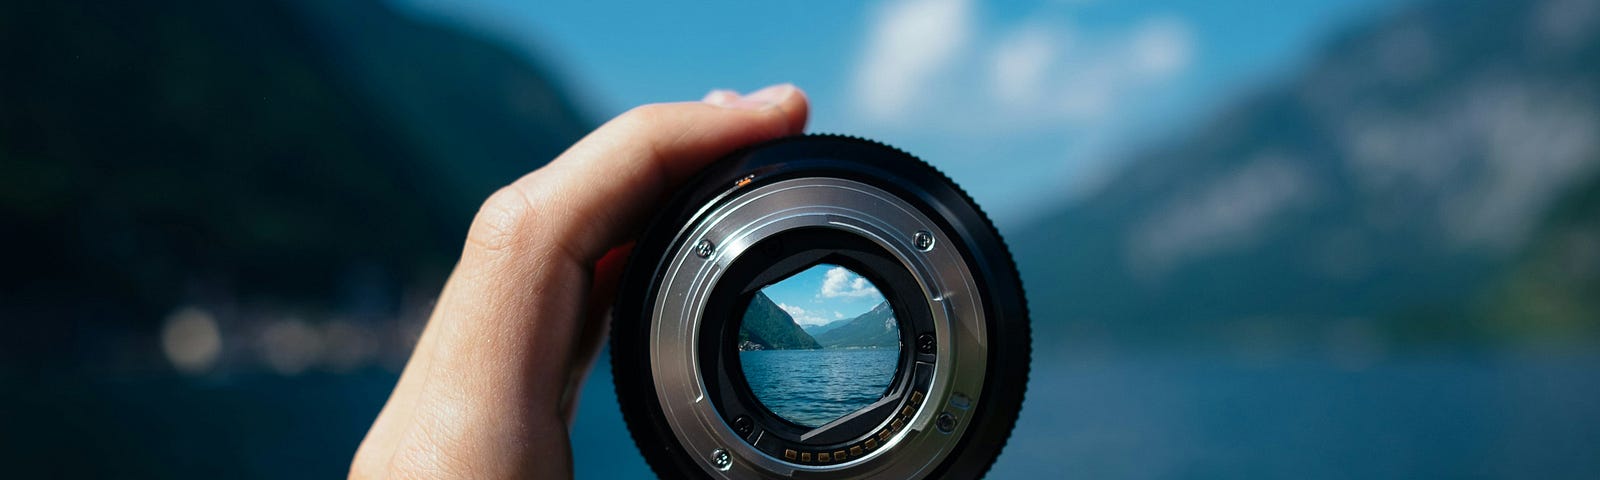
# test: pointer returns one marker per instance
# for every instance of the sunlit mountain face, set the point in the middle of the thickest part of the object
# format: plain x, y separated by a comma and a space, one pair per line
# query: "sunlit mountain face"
875, 329
1412, 185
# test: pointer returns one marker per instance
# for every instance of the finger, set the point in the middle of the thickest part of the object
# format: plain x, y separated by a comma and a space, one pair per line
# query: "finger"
530, 249
617, 173
720, 97
596, 322
507, 325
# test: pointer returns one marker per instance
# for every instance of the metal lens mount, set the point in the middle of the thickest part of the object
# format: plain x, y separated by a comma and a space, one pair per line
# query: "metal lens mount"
776, 209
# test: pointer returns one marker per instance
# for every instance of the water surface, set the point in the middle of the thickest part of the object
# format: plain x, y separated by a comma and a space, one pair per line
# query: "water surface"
814, 387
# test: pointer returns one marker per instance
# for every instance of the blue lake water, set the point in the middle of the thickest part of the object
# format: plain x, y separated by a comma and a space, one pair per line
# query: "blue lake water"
1121, 414
1133, 415
814, 387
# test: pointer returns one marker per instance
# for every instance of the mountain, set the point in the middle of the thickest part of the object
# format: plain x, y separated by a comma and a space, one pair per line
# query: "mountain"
815, 330
272, 162
1549, 290
875, 329
768, 327
1377, 196
300, 155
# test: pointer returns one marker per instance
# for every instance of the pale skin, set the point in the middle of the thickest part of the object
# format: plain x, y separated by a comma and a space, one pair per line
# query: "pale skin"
492, 385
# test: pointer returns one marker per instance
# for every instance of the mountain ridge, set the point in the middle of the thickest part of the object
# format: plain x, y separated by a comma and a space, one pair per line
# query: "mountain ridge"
815, 330
766, 326
1378, 185
876, 328
272, 154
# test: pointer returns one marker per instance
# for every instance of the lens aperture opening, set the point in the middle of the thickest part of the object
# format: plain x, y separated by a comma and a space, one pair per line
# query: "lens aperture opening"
819, 345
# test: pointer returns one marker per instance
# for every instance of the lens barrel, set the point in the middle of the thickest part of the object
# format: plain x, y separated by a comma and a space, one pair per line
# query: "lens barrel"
768, 212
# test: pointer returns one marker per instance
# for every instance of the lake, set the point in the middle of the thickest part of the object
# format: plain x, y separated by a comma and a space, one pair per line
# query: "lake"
1119, 414
814, 387
1155, 415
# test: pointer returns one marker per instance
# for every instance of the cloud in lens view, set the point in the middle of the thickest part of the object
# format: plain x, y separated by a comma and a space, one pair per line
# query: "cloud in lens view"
824, 293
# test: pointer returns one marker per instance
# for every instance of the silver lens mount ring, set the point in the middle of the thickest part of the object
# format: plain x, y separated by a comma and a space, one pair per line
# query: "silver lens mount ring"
848, 206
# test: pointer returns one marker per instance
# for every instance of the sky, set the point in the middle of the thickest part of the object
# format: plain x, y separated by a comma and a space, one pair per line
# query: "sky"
1028, 105
824, 293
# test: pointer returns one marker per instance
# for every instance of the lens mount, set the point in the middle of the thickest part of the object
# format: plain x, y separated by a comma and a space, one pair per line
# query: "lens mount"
776, 209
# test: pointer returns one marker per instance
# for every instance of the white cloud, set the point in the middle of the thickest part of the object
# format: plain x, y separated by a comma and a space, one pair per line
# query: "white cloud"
1021, 62
948, 76
801, 316
910, 41
841, 282
1090, 83
793, 310
838, 315
1034, 75
1161, 46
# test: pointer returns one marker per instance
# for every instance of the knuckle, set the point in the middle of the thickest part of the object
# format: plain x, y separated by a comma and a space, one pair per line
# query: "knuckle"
502, 222
644, 115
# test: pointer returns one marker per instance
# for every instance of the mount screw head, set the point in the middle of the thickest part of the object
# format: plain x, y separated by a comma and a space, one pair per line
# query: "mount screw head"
946, 422
923, 240
704, 249
721, 459
925, 344
743, 425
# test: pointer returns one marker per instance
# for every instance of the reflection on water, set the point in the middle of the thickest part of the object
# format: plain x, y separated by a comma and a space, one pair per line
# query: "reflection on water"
814, 387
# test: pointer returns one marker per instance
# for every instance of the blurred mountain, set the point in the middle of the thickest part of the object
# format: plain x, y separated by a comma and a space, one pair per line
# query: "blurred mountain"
1551, 292
1426, 176
767, 327
875, 329
310, 156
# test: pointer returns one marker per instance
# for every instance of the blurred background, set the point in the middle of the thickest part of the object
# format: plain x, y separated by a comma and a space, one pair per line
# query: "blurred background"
1271, 239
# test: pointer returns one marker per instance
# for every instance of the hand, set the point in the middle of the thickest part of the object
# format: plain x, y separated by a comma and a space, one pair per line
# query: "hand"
492, 386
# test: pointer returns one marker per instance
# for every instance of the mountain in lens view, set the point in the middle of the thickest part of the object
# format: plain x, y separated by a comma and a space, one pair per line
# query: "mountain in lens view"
768, 327
875, 329
1430, 177
815, 330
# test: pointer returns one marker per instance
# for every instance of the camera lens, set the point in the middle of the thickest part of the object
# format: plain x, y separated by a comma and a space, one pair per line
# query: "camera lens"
820, 307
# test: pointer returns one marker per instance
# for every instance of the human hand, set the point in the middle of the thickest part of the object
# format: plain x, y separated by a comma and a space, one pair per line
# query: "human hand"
492, 385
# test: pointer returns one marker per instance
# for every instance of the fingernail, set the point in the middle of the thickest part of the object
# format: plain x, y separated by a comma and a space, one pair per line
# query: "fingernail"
764, 98
721, 98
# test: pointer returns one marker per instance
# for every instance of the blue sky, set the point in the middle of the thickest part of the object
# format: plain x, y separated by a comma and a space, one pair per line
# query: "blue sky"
1027, 104
824, 293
